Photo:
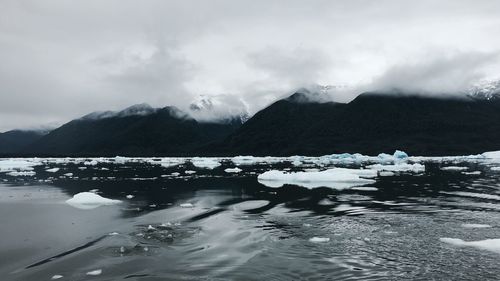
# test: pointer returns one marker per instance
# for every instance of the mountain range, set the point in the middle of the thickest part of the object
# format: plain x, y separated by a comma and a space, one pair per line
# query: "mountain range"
301, 124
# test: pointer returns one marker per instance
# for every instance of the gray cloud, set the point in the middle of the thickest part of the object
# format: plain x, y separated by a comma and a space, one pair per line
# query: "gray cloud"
62, 60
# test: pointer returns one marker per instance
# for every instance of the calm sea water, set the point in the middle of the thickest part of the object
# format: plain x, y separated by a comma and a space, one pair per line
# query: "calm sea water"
214, 225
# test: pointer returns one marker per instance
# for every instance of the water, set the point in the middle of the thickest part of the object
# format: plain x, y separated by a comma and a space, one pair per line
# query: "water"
240, 229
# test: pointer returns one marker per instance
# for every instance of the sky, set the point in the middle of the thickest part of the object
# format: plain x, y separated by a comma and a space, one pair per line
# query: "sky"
60, 60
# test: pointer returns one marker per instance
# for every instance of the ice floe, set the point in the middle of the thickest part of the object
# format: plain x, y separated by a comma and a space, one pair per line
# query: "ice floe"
319, 239
365, 188
475, 225
95, 272
17, 164
186, 205
400, 167
22, 173
454, 168
473, 194
89, 200
205, 163
492, 245
233, 170
57, 276
338, 178
53, 170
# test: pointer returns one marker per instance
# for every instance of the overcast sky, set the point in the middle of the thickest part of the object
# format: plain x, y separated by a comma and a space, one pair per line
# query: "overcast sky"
62, 59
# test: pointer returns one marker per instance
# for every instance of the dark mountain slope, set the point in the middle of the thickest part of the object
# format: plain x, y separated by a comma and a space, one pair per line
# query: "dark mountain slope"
370, 124
162, 132
12, 142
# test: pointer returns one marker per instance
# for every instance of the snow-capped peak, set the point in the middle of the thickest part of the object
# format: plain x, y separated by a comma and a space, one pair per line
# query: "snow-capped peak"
487, 90
218, 108
316, 93
138, 109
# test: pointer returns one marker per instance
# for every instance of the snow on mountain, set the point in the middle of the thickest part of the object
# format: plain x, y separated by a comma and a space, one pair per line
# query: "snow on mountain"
488, 90
319, 93
142, 109
218, 108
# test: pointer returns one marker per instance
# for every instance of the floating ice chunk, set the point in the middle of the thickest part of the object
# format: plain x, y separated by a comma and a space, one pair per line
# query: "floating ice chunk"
472, 173
475, 225
53, 170
68, 174
365, 188
175, 174
22, 173
90, 163
130, 196
398, 154
113, 233
492, 245
121, 160
168, 162
151, 228
233, 170
474, 195
95, 272
189, 172
319, 239
89, 200
386, 174
492, 155
454, 168
495, 168
205, 163
186, 205
338, 178
9, 165
57, 276
401, 167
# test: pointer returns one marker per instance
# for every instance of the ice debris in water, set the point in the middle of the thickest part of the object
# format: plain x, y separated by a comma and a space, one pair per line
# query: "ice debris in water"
68, 174
492, 245
401, 167
53, 170
22, 173
365, 188
233, 170
205, 163
319, 239
454, 168
186, 205
57, 276
472, 173
475, 225
89, 200
189, 172
130, 196
495, 168
95, 272
338, 178
9, 165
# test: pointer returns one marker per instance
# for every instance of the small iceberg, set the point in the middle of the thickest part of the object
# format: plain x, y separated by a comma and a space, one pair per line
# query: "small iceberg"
454, 168
233, 170
95, 272
205, 163
400, 167
319, 240
338, 178
53, 170
89, 200
492, 245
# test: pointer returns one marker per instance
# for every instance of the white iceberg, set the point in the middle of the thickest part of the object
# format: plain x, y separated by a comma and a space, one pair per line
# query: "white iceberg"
400, 167
205, 163
475, 225
338, 178
89, 200
22, 173
53, 170
319, 239
186, 205
9, 165
95, 272
492, 245
233, 170
454, 168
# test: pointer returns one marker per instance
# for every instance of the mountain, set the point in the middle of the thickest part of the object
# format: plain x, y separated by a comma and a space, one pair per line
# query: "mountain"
12, 142
371, 123
137, 130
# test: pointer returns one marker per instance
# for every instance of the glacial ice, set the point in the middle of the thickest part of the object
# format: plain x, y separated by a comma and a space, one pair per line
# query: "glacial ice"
454, 168
89, 200
400, 167
233, 170
475, 225
319, 239
205, 163
338, 178
95, 272
22, 173
492, 245
53, 170
57, 276
15, 164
